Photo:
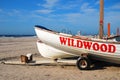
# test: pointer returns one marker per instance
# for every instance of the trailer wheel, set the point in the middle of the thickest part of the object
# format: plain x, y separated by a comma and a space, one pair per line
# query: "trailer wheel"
83, 63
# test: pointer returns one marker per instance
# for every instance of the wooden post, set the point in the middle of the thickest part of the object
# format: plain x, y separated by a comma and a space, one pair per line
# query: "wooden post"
24, 59
101, 19
108, 30
118, 32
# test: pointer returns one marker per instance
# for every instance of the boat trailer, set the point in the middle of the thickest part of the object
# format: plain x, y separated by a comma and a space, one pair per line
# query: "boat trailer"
83, 63
28, 60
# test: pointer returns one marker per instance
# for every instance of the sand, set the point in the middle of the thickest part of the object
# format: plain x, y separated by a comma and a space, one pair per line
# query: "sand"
12, 48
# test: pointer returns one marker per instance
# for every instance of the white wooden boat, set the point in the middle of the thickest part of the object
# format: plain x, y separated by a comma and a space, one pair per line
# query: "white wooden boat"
59, 45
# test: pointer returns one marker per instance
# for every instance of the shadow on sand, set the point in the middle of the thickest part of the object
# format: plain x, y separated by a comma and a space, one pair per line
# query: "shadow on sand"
100, 65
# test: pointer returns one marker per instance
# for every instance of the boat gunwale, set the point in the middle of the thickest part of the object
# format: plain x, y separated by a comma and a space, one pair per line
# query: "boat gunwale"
77, 37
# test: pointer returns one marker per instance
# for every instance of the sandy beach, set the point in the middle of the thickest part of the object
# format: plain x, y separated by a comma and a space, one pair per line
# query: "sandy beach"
11, 49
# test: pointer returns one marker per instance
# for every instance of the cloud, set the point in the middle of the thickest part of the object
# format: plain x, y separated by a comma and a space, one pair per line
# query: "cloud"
116, 6
11, 12
1, 10
14, 12
97, 2
44, 11
67, 6
87, 8
71, 17
38, 4
50, 4
84, 6
112, 17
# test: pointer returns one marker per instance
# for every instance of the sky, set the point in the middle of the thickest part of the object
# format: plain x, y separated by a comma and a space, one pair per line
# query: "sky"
20, 16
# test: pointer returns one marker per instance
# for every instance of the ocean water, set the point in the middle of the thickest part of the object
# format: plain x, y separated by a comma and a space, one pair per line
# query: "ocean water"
17, 35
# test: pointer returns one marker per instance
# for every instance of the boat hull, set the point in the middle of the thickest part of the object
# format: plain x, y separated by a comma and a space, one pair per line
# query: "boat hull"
50, 52
101, 50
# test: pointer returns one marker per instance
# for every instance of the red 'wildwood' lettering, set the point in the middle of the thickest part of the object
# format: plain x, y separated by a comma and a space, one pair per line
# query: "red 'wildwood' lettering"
103, 47
69, 41
111, 48
88, 45
63, 40
96, 46
72, 41
79, 44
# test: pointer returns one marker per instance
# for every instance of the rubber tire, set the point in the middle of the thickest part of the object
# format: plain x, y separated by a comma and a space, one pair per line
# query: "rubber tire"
87, 63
